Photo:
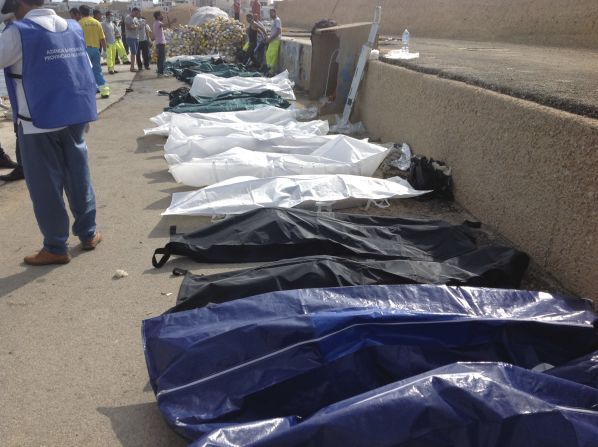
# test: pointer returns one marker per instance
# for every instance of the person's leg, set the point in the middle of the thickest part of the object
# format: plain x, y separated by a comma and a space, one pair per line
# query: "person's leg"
43, 164
161, 48
5, 160
146, 54
259, 54
138, 57
77, 181
133, 43
122, 53
111, 57
96, 63
272, 56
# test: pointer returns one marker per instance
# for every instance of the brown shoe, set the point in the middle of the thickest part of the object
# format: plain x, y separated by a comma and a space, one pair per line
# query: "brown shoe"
92, 243
44, 257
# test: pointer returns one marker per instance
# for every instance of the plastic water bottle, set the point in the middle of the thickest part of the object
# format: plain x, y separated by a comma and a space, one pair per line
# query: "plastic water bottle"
405, 40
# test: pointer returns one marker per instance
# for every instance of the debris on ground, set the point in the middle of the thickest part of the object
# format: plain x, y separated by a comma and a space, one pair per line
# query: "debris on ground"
120, 274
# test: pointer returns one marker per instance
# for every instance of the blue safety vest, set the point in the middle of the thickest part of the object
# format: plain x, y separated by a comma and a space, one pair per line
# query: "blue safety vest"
57, 78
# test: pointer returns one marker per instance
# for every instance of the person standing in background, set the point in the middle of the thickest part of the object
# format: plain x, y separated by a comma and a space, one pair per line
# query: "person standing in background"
256, 10
123, 34
160, 40
96, 42
257, 35
273, 43
97, 14
132, 30
237, 9
75, 14
121, 52
109, 32
143, 53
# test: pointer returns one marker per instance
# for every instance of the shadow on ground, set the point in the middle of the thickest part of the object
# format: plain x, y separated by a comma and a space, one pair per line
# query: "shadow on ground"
150, 143
141, 425
9, 284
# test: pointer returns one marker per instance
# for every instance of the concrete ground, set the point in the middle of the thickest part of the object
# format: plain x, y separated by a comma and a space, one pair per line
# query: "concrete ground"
563, 78
72, 371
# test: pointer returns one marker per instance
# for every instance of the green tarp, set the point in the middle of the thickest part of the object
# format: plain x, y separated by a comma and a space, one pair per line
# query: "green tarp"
227, 102
185, 70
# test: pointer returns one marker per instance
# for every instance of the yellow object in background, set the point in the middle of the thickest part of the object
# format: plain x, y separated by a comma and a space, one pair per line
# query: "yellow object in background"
272, 55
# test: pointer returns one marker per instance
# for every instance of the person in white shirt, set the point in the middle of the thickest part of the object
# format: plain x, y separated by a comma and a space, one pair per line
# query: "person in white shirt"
52, 91
273, 43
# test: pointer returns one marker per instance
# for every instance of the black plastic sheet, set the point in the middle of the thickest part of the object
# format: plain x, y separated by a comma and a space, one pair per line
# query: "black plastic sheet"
270, 234
484, 267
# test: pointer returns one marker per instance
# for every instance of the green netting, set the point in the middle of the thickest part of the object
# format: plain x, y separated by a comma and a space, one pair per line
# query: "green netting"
227, 102
185, 70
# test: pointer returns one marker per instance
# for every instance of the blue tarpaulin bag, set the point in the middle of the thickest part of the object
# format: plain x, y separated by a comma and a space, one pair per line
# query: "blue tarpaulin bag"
464, 405
289, 354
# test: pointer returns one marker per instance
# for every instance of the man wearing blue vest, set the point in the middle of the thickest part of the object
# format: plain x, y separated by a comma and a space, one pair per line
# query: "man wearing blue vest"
52, 91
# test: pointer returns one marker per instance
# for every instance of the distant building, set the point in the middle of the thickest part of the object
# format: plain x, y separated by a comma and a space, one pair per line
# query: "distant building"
142, 4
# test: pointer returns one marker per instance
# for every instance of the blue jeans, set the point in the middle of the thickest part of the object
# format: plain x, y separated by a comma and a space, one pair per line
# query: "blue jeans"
133, 45
55, 162
96, 65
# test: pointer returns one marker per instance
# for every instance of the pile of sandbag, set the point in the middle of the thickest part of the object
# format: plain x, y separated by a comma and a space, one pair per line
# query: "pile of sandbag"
182, 39
221, 36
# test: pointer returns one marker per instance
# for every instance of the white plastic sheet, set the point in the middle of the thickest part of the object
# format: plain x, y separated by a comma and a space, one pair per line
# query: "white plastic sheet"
205, 14
192, 57
242, 194
340, 155
181, 148
192, 138
267, 115
209, 85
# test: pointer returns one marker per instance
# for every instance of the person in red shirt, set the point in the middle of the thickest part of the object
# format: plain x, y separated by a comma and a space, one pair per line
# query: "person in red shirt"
256, 10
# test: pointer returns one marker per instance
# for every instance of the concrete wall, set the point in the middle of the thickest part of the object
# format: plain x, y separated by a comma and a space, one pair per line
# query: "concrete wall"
295, 56
527, 170
571, 23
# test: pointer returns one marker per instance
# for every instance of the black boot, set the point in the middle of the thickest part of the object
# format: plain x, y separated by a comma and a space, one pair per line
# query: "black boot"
6, 162
14, 175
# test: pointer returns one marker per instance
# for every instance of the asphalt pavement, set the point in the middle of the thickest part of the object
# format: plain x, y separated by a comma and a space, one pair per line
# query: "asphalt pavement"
72, 371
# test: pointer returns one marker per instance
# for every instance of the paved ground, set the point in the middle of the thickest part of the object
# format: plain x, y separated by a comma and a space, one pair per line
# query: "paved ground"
72, 371
563, 78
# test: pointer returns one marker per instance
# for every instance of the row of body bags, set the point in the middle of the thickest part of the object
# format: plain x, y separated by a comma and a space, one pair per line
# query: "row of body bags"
408, 365
266, 158
198, 155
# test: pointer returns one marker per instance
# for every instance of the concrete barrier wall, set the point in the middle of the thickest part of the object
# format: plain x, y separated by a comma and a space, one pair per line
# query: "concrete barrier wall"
568, 23
295, 56
527, 170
